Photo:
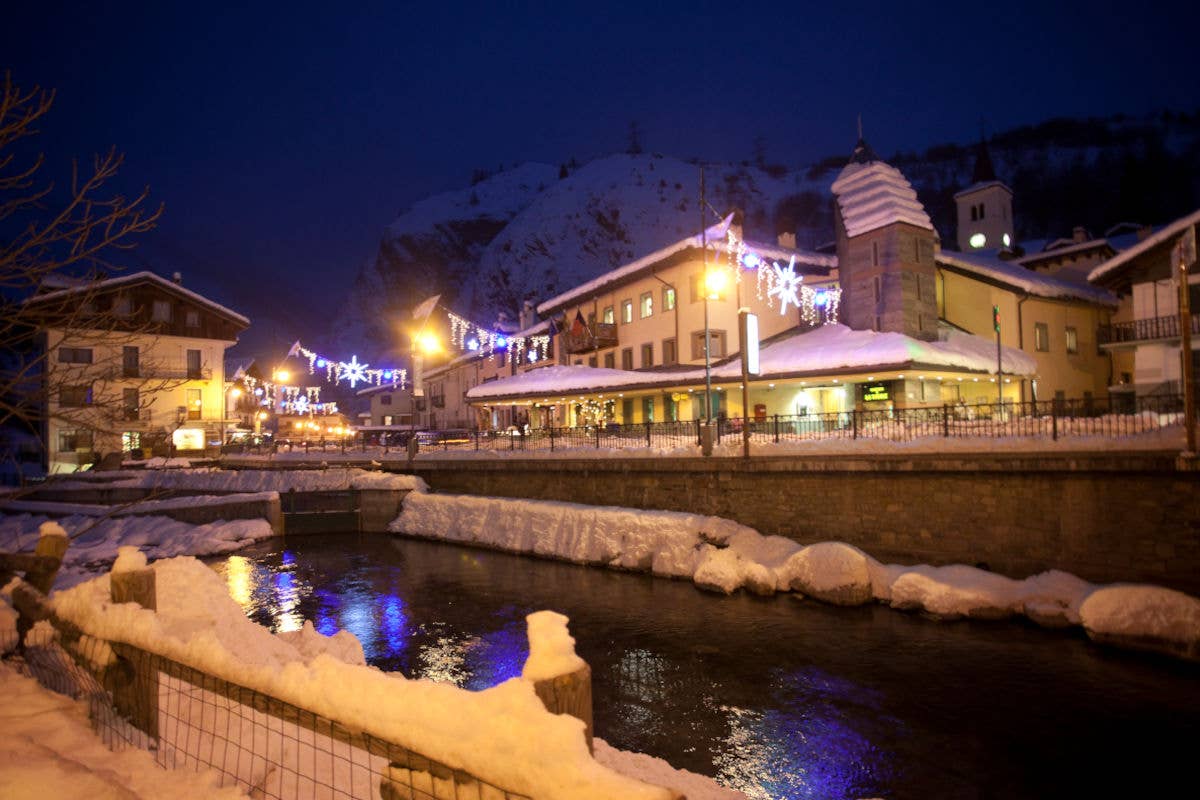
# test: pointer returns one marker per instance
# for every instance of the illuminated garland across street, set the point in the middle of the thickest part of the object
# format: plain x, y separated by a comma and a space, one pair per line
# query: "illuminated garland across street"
352, 371
298, 400
466, 335
817, 306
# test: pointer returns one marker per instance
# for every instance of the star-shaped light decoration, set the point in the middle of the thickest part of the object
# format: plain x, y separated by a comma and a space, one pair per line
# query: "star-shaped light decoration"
353, 371
786, 285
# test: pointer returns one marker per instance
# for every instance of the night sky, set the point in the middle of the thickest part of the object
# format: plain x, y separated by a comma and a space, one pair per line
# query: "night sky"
283, 140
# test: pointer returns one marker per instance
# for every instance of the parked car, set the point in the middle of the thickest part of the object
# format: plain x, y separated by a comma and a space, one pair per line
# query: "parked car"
456, 436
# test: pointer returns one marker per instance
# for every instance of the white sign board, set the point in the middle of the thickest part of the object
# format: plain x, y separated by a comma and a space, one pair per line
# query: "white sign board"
188, 438
750, 344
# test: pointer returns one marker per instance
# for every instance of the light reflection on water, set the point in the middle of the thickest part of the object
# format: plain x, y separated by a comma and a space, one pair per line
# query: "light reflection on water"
776, 698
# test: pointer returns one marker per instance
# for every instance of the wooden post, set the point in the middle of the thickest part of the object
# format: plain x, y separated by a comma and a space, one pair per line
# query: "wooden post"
49, 552
569, 694
134, 681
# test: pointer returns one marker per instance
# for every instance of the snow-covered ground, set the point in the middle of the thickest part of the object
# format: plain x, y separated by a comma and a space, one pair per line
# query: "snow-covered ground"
722, 555
94, 543
247, 480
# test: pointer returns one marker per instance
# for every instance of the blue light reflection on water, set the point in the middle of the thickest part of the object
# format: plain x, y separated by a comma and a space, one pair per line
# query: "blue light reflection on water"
773, 697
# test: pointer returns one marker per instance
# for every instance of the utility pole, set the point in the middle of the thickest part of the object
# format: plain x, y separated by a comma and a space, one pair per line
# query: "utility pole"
999, 362
1185, 254
704, 288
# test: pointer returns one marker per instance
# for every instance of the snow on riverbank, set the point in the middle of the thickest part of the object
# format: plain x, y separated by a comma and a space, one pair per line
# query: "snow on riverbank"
722, 555
140, 507
94, 543
247, 480
503, 734
49, 750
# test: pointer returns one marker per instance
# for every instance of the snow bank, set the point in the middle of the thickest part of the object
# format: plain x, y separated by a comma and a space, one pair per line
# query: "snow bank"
253, 480
99, 541
722, 555
659, 772
1144, 617
139, 507
49, 750
129, 559
503, 734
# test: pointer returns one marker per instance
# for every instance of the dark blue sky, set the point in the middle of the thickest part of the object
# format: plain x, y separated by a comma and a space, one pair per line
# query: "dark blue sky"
283, 139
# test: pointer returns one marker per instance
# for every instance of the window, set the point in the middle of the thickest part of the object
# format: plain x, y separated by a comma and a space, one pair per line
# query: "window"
579, 362
129, 362
591, 361
122, 306
717, 340
70, 441
195, 407
75, 396
1041, 337
668, 298
981, 210
74, 355
387, 419
161, 311
193, 364
648, 409
610, 360
878, 282
646, 305
875, 254
130, 403
627, 410
608, 315
502, 357
627, 358
626, 311
696, 282
192, 319
670, 356
1072, 340
131, 441
647, 355
385, 399
974, 213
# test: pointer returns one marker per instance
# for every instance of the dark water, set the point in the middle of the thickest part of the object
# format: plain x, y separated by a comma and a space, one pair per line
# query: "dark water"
776, 697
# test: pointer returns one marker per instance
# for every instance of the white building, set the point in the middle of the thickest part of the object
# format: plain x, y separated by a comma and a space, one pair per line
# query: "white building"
132, 363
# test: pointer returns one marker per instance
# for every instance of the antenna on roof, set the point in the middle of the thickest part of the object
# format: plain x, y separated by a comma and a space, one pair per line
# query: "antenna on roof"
860, 125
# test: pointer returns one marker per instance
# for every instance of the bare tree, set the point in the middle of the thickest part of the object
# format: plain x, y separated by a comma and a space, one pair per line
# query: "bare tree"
67, 240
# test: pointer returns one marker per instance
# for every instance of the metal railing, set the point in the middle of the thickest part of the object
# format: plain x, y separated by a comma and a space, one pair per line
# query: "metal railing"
1115, 416
1142, 330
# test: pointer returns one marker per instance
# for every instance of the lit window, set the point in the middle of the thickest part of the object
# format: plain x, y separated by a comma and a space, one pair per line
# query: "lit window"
608, 315
646, 305
1007, 240
626, 311
977, 240
1041, 337
1072, 340
668, 298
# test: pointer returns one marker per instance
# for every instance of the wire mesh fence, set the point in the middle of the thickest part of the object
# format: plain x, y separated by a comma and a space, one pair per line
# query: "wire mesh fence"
1047, 419
190, 719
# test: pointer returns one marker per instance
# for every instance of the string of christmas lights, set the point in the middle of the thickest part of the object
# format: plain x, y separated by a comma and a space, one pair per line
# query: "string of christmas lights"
352, 371
776, 282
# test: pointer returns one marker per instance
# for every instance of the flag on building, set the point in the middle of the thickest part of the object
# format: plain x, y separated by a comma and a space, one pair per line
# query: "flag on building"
553, 330
294, 350
579, 326
423, 311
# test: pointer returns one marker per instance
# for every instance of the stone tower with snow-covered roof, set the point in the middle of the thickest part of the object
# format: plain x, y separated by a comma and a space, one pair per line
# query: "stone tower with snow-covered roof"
885, 248
985, 219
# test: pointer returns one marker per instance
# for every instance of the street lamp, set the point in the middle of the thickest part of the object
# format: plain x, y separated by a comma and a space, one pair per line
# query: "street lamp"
424, 343
715, 281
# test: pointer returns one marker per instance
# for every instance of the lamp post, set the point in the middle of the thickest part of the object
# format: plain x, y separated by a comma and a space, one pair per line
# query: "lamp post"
714, 283
424, 344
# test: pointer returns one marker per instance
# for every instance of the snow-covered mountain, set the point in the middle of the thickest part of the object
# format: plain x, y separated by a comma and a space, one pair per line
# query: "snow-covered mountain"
537, 229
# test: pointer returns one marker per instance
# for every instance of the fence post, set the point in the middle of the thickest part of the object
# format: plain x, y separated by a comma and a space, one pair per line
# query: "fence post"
551, 438
776, 429
647, 434
699, 436
854, 421
945, 419
1054, 421
133, 681
564, 692
597, 437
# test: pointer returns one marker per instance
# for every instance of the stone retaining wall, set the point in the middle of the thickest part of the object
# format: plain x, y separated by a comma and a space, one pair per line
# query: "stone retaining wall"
1104, 517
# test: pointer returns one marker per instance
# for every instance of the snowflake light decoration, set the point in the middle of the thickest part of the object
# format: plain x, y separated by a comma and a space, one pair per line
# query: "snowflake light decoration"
353, 371
786, 285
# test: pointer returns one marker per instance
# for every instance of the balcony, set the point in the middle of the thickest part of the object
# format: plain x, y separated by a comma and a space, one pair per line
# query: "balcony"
134, 415
601, 335
1143, 330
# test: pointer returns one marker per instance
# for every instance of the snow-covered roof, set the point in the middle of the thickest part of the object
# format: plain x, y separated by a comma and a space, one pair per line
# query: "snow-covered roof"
831, 349
1018, 277
1110, 267
876, 194
975, 187
1056, 250
137, 277
714, 237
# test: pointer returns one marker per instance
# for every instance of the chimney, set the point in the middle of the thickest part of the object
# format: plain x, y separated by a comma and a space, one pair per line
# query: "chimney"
1144, 232
1079, 234
787, 240
177, 277
527, 315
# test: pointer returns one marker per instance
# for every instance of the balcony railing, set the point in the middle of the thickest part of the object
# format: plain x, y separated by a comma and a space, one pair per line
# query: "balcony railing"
1144, 330
601, 335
